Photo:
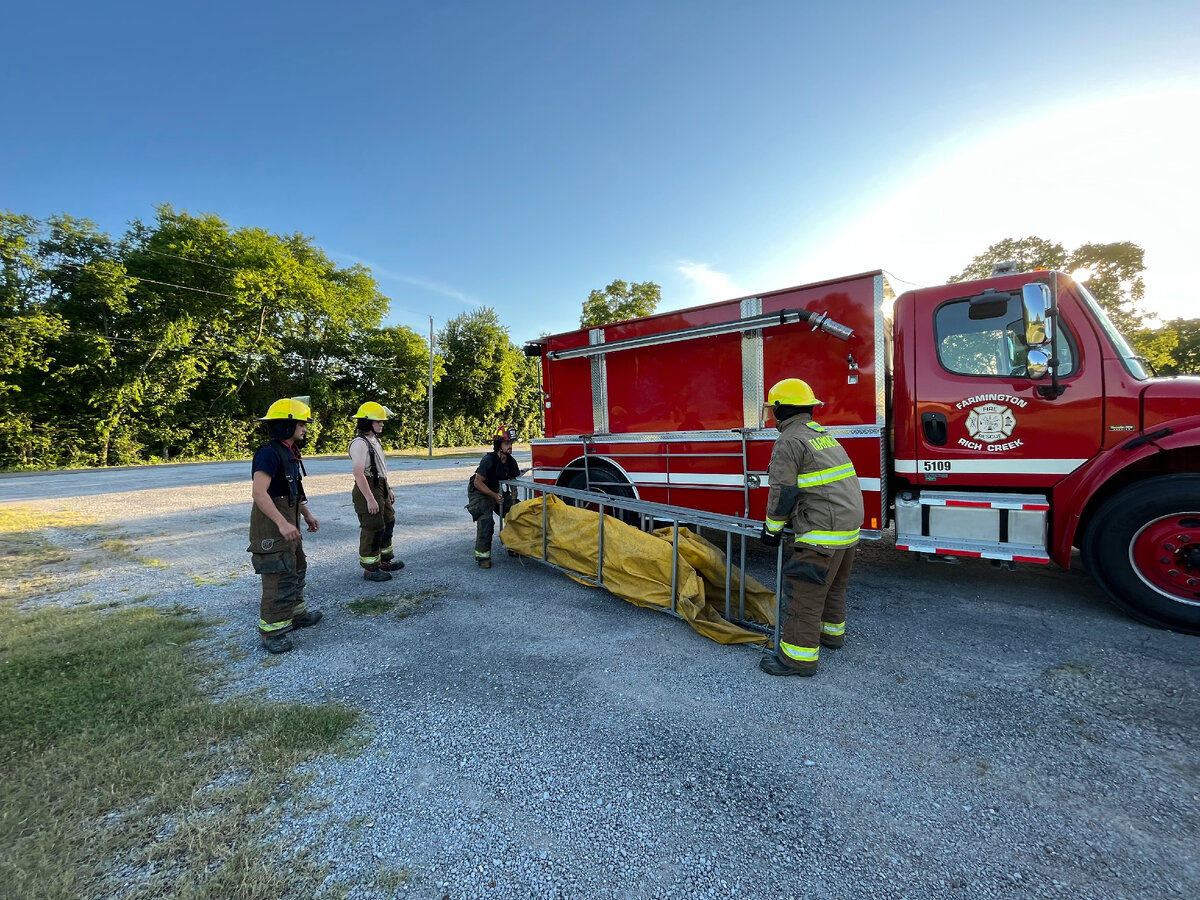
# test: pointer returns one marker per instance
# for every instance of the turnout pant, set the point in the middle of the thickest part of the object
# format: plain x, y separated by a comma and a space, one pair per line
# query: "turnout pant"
374, 529
815, 583
283, 568
482, 508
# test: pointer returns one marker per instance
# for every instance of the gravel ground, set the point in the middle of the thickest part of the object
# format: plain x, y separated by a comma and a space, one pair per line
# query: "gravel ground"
984, 733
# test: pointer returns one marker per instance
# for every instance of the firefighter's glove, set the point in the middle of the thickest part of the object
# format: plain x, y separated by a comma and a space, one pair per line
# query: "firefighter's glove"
770, 538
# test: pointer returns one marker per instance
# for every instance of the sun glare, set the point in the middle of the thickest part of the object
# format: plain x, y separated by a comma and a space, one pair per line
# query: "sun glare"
1093, 169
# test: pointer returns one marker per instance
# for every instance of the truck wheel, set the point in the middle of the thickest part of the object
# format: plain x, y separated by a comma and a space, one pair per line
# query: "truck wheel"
605, 480
1143, 547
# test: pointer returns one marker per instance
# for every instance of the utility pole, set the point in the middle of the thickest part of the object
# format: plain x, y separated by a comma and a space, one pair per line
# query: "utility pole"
431, 387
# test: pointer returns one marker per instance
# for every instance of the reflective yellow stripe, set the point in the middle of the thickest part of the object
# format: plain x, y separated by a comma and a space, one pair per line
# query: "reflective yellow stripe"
833, 628
385, 551
773, 526
368, 560
804, 654
828, 538
825, 476
273, 626
299, 610
479, 555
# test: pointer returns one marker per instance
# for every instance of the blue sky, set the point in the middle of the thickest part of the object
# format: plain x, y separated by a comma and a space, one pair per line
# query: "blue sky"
517, 155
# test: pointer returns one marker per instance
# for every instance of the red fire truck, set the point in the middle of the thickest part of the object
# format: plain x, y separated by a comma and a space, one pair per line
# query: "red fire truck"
1005, 419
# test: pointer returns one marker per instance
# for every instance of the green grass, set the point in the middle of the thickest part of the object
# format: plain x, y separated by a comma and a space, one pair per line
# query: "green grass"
372, 606
404, 604
123, 549
118, 767
27, 558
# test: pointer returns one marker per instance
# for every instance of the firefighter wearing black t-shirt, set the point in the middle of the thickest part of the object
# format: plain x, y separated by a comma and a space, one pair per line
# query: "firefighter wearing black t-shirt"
483, 491
276, 546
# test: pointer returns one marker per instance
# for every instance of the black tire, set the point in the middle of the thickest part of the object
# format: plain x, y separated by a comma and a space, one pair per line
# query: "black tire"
1143, 547
604, 480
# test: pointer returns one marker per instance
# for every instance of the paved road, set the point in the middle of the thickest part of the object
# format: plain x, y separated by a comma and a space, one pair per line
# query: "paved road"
24, 486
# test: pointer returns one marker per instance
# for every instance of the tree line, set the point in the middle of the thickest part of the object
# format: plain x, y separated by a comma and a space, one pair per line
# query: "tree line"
167, 342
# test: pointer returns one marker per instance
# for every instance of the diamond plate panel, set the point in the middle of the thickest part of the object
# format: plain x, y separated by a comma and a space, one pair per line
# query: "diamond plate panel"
752, 367
599, 384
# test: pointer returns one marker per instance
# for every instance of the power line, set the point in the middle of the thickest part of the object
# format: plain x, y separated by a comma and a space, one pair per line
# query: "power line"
198, 262
182, 287
245, 354
896, 277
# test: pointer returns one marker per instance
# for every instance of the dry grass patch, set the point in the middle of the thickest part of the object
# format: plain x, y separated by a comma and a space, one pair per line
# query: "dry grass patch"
27, 557
121, 775
403, 605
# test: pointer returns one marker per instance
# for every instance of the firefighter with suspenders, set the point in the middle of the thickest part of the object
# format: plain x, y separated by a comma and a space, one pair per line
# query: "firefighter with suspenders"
484, 497
373, 498
814, 487
276, 547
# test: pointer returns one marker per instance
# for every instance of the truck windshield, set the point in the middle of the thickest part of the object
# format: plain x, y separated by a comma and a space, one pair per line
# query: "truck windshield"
1132, 364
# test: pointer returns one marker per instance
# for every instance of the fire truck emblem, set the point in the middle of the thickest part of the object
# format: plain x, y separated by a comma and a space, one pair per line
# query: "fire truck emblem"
991, 422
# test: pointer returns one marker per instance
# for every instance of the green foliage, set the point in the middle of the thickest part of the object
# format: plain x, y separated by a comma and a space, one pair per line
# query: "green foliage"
1158, 346
525, 409
620, 301
1116, 280
168, 342
1187, 351
482, 368
1173, 349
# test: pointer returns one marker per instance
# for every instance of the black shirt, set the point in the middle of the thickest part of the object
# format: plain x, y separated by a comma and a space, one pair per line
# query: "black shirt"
494, 471
267, 459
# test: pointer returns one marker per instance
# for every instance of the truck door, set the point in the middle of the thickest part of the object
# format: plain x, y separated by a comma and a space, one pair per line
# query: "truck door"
978, 420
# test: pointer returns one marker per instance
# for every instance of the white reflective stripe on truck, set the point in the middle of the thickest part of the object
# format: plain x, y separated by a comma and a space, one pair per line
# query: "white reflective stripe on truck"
684, 479
988, 465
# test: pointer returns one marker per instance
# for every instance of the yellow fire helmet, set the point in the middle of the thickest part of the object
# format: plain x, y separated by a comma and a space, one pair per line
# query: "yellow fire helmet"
289, 408
375, 411
792, 392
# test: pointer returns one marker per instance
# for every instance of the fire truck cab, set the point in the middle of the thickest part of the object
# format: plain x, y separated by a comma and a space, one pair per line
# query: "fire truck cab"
1005, 419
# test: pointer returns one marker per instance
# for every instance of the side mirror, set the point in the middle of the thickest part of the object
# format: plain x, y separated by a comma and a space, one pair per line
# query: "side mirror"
1037, 364
1035, 308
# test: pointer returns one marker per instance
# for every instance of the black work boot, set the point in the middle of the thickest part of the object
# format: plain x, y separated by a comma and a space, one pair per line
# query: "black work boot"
309, 618
833, 641
773, 665
279, 643
376, 575
392, 565
484, 562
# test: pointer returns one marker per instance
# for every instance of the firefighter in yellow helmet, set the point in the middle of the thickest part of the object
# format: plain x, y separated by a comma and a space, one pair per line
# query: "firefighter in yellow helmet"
484, 498
374, 500
813, 487
276, 546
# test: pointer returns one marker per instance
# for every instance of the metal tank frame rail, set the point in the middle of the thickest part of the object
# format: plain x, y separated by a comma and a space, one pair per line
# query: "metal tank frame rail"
662, 512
